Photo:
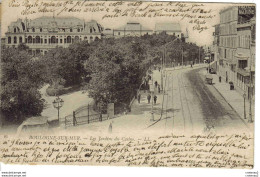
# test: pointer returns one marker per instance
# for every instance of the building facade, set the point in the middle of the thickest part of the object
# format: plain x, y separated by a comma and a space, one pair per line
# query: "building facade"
44, 33
245, 53
234, 41
168, 28
132, 29
228, 43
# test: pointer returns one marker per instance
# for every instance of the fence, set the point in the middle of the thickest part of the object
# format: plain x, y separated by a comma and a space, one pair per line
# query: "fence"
84, 115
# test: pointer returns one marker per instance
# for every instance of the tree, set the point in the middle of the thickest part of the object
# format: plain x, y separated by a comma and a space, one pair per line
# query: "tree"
20, 81
115, 70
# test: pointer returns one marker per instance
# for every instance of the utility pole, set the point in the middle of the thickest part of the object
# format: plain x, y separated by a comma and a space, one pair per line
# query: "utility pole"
162, 71
244, 96
199, 55
182, 56
152, 92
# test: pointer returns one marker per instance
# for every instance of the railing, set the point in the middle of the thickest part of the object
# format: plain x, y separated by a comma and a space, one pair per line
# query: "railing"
84, 115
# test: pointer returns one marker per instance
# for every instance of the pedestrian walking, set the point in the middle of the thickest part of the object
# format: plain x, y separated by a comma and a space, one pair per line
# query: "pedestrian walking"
148, 98
155, 99
159, 88
110, 127
155, 83
139, 97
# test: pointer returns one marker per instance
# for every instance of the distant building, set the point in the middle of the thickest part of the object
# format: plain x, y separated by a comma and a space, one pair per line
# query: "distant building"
132, 29
108, 33
44, 33
168, 28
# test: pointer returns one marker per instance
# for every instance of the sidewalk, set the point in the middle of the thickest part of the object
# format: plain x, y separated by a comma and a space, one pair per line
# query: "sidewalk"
234, 99
144, 107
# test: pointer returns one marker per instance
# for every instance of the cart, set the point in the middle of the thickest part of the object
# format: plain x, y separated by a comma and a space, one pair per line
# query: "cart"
208, 79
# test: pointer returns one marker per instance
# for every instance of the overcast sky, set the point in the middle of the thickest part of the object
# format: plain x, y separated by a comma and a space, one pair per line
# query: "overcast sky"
203, 38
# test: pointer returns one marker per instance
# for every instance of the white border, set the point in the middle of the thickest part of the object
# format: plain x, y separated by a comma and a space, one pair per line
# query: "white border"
86, 171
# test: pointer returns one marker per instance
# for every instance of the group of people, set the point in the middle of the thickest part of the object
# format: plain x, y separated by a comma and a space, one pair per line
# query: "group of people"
149, 97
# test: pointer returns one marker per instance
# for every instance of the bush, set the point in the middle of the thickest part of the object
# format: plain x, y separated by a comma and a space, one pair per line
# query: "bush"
60, 90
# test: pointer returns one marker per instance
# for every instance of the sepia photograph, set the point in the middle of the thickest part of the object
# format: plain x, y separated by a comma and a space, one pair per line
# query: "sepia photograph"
128, 83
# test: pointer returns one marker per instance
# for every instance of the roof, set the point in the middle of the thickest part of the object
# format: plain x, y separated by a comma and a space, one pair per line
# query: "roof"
174, 27
60, 21
133, 26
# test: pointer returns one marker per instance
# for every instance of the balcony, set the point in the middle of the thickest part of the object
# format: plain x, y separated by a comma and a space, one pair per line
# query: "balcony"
243, 72
244, 24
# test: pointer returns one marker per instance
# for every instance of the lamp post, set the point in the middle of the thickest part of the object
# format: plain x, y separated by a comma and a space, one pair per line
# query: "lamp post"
163, 62
58, 103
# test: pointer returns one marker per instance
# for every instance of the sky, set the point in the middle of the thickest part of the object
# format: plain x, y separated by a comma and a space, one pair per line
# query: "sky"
203, 38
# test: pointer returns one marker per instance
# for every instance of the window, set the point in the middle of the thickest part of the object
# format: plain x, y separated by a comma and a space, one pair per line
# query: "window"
90, 30
61, 41
38, 39
119, 33
242, 64
225, 53
14, 30
40, 29
53, 40
69, 39
33, 29
70, 29
9, 40
15, 39
45, 41
78, 30
20, 40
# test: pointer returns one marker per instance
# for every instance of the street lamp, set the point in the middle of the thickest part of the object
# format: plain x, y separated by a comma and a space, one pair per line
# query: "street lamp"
58, 103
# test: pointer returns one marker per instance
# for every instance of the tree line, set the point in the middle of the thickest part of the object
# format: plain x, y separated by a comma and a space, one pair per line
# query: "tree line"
110, 69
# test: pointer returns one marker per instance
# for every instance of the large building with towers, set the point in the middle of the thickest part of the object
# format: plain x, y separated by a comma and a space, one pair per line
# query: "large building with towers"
44, 33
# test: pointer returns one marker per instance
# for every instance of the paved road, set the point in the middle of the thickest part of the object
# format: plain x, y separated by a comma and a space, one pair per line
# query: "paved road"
190, 105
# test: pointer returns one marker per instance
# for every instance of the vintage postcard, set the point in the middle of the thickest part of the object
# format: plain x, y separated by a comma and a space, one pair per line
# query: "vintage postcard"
128, 83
